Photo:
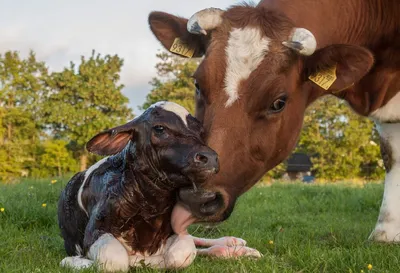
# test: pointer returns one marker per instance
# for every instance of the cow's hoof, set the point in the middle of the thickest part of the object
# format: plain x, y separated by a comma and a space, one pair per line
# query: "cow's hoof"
385, 235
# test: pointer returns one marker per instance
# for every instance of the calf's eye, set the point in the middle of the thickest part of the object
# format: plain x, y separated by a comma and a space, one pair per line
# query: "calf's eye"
278, 105
159, 129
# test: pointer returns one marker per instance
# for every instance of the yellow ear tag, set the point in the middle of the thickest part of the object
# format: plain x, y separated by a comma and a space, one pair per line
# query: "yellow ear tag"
181, 48
325, 78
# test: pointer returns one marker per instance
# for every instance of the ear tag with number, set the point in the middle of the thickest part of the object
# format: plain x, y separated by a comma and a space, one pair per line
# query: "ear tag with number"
181, 48
325, 78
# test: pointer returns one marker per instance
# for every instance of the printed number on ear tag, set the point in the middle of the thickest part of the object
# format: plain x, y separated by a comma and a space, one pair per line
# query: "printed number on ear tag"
181, 48
325, 78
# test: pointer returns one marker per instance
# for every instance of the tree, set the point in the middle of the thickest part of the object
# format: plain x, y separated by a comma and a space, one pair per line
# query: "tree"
342, 144
57, 158
85, 100
174, 81
21, 90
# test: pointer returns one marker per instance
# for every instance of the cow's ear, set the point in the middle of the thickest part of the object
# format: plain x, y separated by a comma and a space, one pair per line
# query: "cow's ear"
337, 67
112, 141
167, 28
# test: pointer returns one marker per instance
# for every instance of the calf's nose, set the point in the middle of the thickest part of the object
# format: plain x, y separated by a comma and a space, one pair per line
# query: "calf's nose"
207, 160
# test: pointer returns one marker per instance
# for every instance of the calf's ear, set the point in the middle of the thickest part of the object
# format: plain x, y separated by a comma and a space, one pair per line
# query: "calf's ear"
337, 67
167, 27
112, 141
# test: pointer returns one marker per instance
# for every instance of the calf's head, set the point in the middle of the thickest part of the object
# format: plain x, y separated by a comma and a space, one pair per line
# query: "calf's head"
252, 89
167, 148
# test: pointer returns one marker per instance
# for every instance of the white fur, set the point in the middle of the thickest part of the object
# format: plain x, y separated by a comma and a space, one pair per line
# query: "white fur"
87, 173
174, 108
389, 112
178, 252
109, 253
388, 228
245, 51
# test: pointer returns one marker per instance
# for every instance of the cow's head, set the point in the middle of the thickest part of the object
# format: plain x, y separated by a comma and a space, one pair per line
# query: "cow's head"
252, 89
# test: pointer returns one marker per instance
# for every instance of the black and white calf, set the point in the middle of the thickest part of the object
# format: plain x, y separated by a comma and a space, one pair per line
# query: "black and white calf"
118, 212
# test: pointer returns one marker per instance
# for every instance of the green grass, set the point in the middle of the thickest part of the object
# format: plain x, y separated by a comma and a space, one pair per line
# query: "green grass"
314, 229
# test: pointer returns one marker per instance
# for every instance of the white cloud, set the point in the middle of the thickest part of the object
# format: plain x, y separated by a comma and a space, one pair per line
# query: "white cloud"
62, 31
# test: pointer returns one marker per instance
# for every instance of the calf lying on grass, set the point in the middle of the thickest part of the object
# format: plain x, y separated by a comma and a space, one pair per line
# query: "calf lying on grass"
118, 212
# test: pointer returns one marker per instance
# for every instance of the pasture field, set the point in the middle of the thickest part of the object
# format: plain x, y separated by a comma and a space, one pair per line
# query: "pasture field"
298, 228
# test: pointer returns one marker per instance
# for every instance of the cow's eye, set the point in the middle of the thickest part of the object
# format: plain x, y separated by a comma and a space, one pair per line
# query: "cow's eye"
159, 129
196, 84
278, 105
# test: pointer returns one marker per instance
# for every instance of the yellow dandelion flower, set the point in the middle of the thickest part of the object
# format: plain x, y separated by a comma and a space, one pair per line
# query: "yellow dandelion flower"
44, 205
369, 267
31, 187
362, 271
2, 209
271, 242
53, 181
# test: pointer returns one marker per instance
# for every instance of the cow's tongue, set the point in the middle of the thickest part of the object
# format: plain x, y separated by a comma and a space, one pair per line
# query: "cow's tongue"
181, 219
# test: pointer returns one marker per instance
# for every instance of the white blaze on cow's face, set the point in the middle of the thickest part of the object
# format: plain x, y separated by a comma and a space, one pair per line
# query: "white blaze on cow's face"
245, 51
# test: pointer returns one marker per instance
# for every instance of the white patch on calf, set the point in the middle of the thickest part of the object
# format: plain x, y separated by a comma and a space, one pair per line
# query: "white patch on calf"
178, 252
109, 253
175, 108
87, 173
245, 51
389, 112
387, 228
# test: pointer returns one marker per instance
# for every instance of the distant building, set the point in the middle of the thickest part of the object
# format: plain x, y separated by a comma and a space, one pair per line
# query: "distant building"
299, 168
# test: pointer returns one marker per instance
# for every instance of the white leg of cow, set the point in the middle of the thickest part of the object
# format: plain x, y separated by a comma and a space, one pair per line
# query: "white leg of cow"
179, 252
387, 228
109, 254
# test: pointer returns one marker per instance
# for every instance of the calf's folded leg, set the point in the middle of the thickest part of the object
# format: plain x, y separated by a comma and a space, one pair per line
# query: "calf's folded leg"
109, 254
178, 252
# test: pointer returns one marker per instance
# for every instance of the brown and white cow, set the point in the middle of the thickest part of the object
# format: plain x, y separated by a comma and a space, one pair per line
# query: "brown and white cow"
264, 65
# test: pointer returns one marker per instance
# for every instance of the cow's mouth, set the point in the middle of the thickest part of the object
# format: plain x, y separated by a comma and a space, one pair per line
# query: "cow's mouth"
194, 205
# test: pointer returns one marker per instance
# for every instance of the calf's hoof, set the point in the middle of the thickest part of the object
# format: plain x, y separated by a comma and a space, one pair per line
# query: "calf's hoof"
76, 262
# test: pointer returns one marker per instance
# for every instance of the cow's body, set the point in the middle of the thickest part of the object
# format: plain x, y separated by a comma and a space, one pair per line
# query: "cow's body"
254, 85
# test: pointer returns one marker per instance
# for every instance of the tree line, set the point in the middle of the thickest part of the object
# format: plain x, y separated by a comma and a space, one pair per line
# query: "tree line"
46, 117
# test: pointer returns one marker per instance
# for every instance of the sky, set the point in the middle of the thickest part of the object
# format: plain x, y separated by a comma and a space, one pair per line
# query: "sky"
60, 31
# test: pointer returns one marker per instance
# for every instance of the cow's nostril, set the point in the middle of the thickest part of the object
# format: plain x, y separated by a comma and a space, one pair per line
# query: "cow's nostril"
200, 158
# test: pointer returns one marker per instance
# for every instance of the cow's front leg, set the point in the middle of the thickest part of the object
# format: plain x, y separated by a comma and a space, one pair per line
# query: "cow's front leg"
387, 228
178, 252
